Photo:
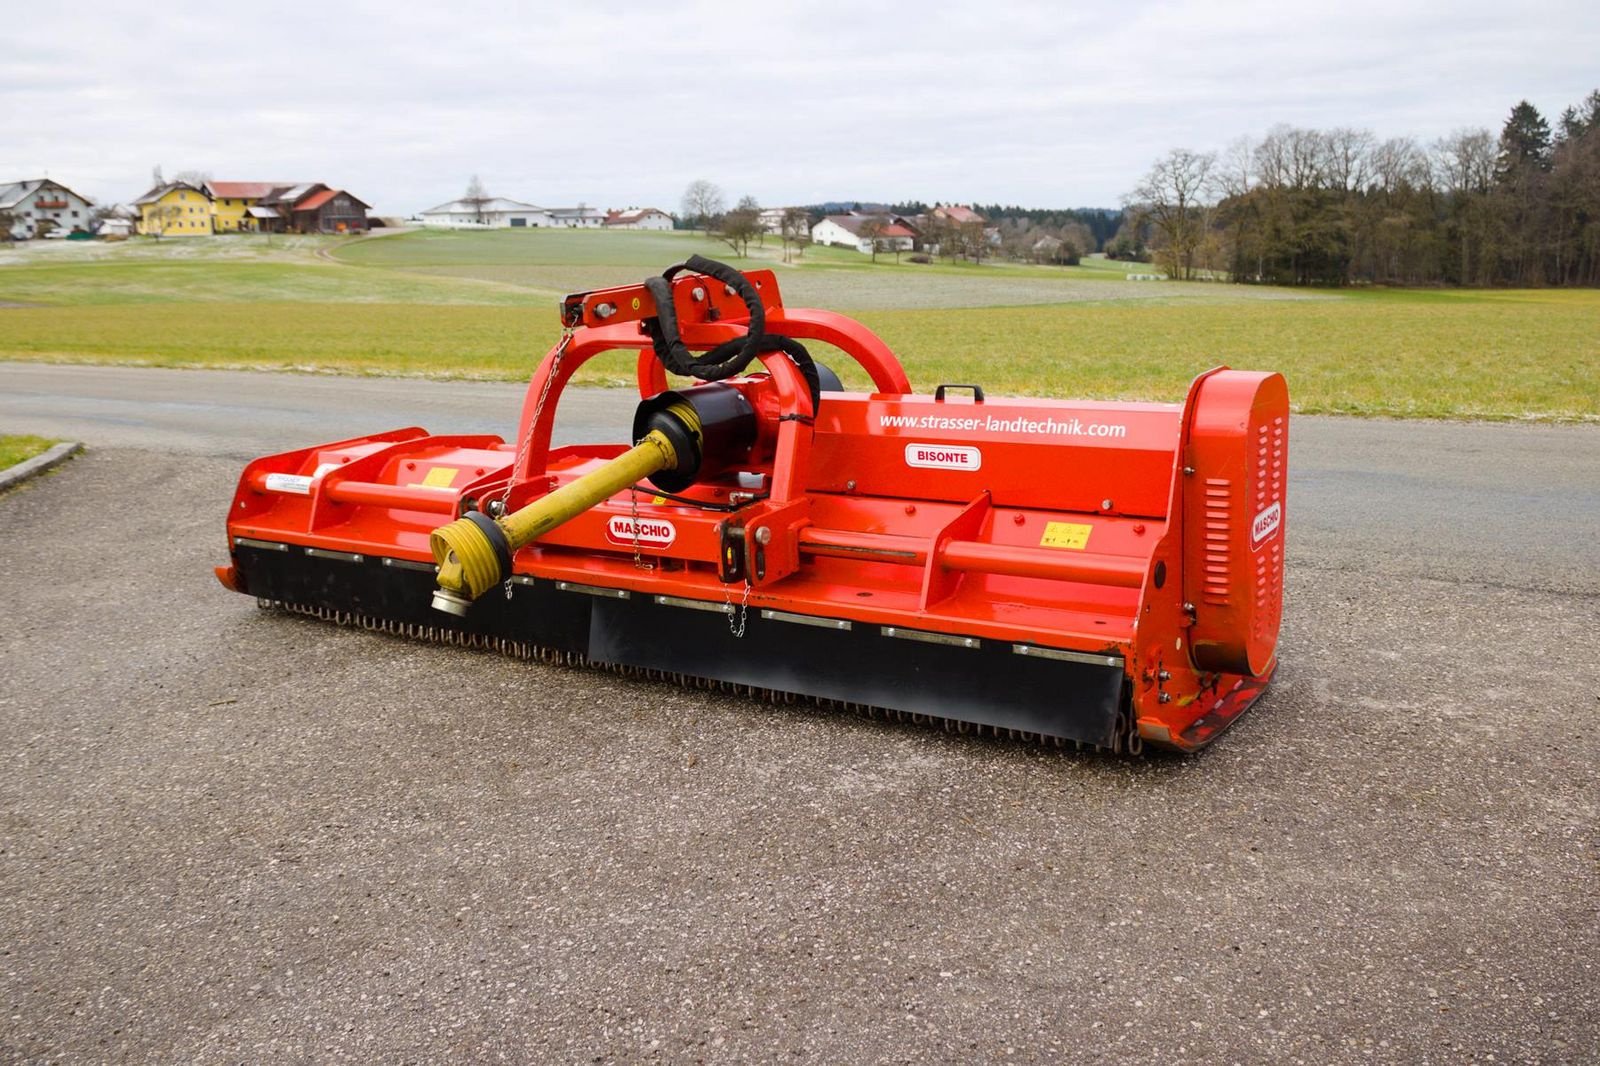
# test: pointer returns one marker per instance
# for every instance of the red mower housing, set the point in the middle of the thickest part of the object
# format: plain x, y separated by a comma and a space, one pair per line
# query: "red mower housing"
1104, 573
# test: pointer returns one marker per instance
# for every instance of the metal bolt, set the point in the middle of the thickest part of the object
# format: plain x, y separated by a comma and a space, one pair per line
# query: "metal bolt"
1188, 471
764, 535
698, 294
1105, 505
1189, 607
604, 310
1165, 697
850, 486
911, 508
1164, 675
1018, 518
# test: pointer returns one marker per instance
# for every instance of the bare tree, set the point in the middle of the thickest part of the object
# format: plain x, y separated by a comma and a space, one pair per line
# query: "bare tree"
476, 198
702, 203
160, 217
1399, 163
1290, 158
1347, 158
872, 229
1172, 197
741, 225
795, 229
1465, 163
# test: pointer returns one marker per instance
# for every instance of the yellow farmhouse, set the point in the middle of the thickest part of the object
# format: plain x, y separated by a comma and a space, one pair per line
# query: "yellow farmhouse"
231, 202
175, 209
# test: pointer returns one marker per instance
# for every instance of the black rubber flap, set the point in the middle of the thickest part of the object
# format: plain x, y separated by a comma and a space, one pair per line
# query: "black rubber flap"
990, 684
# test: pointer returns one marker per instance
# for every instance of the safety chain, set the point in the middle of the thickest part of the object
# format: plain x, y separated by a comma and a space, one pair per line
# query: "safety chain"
538, 409
633, 506
744, 606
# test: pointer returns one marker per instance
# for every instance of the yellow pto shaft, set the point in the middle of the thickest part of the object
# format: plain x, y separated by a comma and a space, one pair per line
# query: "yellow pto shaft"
471, 562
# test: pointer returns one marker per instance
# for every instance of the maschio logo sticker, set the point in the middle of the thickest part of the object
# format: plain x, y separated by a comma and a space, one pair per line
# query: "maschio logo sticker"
1266, 525
649, 532
943, 457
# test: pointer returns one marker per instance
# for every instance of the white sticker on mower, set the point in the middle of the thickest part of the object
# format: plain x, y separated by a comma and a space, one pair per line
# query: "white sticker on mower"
943, 457
1265, 525
649, 532
298, 484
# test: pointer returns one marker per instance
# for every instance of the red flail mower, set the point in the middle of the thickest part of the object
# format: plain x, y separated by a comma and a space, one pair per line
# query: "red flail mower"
1106, 574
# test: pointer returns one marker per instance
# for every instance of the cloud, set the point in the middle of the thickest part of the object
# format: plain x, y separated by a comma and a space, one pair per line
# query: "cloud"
1032, 103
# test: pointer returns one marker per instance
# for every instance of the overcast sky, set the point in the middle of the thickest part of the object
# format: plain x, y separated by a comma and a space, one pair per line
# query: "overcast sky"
1029, 103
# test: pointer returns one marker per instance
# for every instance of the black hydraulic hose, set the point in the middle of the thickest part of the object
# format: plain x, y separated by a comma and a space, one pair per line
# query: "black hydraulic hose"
730, 357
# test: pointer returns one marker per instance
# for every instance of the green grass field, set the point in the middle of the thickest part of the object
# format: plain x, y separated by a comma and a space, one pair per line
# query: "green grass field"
18, 448
482, 305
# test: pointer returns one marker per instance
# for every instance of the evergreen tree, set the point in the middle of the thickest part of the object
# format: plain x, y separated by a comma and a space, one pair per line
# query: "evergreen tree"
1524, 142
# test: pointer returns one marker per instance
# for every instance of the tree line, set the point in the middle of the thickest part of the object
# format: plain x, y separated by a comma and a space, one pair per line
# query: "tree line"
1339, 207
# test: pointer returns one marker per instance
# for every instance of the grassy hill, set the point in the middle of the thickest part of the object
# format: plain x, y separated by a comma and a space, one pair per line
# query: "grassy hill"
482, 304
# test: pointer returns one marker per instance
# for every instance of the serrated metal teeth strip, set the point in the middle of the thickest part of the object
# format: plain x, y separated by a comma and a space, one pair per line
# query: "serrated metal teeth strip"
1125, 741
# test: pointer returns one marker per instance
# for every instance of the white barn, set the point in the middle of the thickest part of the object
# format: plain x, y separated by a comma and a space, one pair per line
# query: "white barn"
39, 200
580, 217
497, 212
845, 231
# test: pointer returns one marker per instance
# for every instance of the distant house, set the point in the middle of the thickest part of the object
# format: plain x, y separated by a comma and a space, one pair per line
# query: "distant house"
771, 219
175, 209
231, 203
641, 218
580, 217
310, 207
855, 231
116, 221
497, 212
39, 204
329, 211
957, 214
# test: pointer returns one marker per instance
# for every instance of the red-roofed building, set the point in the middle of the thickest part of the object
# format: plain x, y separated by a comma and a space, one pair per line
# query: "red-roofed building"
865, 233
284, 207
232, 201
957, 214
640, 218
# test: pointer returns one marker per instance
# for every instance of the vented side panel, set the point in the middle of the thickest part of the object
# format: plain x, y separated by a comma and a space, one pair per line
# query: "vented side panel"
1272, 466
1234, 519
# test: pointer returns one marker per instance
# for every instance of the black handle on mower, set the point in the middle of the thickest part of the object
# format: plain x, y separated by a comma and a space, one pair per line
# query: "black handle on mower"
977, 392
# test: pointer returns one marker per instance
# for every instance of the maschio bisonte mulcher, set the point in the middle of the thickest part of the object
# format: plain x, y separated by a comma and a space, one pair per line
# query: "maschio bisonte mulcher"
1108, 574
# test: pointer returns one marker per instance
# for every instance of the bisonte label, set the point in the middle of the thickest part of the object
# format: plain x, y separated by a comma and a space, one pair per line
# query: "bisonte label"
649, 532
943, 456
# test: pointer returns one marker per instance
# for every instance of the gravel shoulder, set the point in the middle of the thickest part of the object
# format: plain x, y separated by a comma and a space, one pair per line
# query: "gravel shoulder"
228, 835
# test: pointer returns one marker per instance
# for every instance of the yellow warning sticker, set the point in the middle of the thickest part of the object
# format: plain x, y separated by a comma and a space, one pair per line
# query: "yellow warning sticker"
440, 477
658, 500
1074, 535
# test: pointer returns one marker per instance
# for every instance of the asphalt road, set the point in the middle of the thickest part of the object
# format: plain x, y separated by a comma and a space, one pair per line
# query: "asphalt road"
231, 835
